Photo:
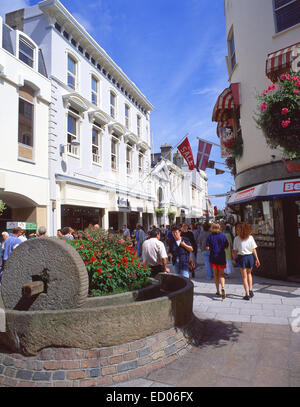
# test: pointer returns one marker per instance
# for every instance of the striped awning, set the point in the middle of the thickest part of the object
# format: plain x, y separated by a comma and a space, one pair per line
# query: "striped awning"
224, 106
281, 60
226, 123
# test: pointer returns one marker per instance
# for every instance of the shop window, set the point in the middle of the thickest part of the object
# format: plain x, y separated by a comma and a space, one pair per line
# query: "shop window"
287, 14
26, 122
259, 214
96, 146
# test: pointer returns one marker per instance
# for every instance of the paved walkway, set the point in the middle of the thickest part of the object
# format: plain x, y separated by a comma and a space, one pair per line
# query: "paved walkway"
238, 342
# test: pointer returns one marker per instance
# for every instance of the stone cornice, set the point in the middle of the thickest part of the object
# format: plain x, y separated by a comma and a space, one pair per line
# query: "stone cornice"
53, 9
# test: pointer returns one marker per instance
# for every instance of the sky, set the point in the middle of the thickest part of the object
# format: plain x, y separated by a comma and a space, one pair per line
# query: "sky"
174, 51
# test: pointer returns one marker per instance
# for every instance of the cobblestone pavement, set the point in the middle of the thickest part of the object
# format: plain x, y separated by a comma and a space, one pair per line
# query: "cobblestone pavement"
239, 343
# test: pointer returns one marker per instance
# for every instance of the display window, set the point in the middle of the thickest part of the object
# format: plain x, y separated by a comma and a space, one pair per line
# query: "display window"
259, 214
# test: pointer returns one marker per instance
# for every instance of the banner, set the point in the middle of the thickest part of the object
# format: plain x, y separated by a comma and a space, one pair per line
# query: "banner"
186, 152
211, 164
218, 172
204, 149
225, 134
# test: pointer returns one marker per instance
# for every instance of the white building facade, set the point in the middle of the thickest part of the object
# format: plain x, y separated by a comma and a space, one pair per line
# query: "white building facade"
263, 42
25, 93
99, 127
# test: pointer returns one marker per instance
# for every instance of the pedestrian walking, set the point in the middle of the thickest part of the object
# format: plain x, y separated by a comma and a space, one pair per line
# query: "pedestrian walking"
23, 236
228, 251
245, 255
140, 238
185, 232
205, 253
180, 248
11, 243
154, 253
67, 233
42, 230
217, 243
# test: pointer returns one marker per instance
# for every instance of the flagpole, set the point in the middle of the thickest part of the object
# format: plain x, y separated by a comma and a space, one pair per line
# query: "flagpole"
180, 142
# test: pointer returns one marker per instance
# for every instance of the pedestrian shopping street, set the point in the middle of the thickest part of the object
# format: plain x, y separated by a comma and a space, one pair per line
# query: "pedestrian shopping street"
237, 343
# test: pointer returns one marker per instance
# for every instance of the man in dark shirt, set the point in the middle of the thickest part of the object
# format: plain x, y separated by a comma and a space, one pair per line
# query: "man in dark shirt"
185, 232
180, 248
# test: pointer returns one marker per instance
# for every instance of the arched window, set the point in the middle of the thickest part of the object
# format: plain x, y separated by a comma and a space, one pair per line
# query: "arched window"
26, 122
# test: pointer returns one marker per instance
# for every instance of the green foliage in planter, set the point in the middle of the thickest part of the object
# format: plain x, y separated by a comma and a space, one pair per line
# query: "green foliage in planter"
278, 114
2, 207
171, 214
159, 212
111, 262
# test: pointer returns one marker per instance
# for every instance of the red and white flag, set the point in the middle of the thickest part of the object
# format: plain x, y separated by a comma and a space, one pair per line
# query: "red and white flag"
186, 152
204, 149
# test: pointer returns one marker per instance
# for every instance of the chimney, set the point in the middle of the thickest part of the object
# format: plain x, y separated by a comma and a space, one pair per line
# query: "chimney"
178, 160
166, 151
15, 19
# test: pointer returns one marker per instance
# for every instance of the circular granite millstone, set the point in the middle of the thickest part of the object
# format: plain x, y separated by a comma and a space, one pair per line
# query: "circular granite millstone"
66, 275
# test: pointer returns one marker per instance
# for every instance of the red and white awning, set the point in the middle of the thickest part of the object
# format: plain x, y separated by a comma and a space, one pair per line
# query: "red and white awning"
223, 106
281, 60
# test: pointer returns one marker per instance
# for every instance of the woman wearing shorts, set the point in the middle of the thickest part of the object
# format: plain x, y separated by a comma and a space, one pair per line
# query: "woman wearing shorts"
245, 255
217, 243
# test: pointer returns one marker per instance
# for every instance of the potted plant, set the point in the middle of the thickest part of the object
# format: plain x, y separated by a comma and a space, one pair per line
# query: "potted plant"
278, 114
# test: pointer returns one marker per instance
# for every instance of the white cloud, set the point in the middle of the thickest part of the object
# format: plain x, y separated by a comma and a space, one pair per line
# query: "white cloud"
84, 22
206, 91
11, 5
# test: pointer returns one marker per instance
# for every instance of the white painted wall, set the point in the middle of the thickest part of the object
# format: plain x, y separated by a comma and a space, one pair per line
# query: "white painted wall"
255, 37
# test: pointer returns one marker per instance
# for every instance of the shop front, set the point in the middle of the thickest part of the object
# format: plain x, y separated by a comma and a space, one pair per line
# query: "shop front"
273, 211
79, 218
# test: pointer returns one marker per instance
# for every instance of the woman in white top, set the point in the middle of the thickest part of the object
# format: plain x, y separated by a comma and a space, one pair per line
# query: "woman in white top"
245, 254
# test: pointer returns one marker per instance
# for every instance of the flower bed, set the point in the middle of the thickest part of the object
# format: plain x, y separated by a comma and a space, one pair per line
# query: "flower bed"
112, 264
279, 114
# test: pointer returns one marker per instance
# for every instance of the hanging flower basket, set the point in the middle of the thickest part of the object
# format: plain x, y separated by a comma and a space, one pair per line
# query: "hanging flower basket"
279, 114
171, 215
230, 163
159, 212
235, 147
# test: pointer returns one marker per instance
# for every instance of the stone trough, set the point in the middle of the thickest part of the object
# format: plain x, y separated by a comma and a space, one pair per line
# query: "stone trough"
45, 296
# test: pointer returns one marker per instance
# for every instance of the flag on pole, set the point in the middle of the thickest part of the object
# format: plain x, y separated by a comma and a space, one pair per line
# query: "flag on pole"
186, 152
211, 164
204, 149
218, 172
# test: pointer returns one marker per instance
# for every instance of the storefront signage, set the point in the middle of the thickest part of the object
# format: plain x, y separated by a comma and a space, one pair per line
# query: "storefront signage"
123, 202
22, 225
291, 186
291, 167
248, 193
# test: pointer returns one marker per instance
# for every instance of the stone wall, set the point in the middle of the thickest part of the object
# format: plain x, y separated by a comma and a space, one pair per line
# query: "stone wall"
74, 367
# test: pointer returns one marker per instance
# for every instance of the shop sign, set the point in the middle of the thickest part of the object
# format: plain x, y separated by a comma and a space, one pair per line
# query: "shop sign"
239, 196
291, 186
123, 202
291, 167
22, 225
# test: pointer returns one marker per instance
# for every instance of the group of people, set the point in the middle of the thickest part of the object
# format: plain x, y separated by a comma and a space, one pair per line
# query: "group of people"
220, 251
